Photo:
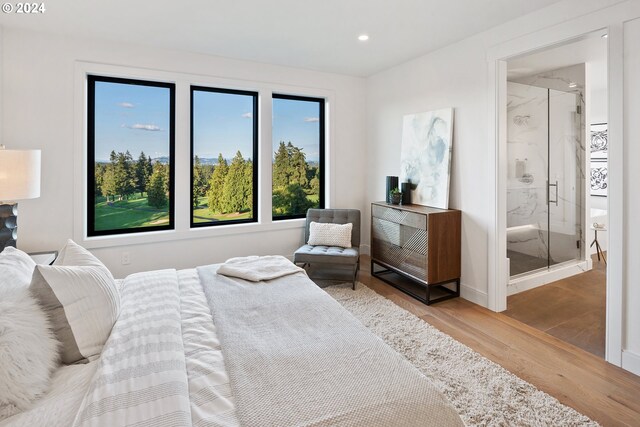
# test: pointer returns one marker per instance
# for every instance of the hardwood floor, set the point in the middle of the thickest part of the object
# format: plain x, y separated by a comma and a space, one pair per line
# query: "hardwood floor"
572, 309
579, 379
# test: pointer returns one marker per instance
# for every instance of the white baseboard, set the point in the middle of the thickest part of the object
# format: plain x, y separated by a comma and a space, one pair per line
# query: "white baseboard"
474, 295
631, 362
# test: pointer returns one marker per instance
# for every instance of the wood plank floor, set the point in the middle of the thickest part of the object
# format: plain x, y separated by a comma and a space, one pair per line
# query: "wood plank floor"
571, 309
575, 377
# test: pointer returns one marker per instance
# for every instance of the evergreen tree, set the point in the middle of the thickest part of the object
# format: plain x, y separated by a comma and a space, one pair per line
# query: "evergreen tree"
233, 190
124, 175
156, 189
248, 187
216, 185
297, 166
142, 173
281, 168
98, 176
199, 181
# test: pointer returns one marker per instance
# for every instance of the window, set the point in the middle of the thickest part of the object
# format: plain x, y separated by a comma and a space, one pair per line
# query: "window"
130, 176
224, 147
298, 160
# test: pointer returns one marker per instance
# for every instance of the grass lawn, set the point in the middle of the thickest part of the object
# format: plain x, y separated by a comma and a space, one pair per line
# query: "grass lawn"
204, 215
131, 213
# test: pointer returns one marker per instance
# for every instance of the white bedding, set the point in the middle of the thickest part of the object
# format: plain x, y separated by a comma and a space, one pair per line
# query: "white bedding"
162, 365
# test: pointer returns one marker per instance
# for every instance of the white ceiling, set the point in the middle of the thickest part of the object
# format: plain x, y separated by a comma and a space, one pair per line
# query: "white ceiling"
319, 35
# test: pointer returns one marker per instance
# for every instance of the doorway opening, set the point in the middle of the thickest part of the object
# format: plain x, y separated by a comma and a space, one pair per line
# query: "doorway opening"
556, 206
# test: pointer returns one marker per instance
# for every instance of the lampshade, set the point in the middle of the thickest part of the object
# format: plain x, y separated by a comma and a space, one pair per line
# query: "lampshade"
19, 174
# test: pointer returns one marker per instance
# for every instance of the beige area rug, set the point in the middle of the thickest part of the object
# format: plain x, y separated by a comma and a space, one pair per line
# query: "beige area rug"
483, 393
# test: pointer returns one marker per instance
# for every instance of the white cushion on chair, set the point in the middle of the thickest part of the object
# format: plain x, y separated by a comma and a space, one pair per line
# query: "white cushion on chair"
329, 234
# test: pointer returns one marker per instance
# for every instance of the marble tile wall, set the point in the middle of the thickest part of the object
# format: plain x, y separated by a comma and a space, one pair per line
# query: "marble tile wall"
544, 142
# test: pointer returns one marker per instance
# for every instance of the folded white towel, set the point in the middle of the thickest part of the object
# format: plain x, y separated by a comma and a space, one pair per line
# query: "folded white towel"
258, 268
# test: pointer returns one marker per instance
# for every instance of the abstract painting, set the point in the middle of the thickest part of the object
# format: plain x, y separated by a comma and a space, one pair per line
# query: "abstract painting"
599, 178
599, 141
425, 158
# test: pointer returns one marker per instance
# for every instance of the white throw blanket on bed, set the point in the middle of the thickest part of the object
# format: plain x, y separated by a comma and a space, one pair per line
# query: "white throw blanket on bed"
258, 268
296, 357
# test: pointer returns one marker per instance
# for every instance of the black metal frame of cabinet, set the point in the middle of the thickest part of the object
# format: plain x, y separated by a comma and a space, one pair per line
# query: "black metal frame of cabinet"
449, 293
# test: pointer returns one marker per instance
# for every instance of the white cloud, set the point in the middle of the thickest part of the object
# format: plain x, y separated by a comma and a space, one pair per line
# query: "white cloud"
311, 119
141, 126
126, 105
247, 115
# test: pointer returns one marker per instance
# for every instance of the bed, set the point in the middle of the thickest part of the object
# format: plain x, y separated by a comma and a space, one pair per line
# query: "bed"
194, 347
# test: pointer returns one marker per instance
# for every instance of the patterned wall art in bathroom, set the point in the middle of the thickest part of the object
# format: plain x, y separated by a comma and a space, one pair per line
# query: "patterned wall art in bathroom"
599, 177
599, 141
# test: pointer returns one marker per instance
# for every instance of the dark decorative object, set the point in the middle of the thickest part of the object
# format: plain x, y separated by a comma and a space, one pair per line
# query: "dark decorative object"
8, 225
405, 188
392, 182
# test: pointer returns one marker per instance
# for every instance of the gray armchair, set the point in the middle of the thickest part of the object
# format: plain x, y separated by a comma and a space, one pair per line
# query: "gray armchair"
332, 256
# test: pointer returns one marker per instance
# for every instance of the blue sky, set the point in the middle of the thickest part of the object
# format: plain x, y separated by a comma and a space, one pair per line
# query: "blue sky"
136, 118
131, 117
297, 121
222, 123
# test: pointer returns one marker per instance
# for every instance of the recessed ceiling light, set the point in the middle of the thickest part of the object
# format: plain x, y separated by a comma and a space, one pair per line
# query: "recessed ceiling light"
573, 84
605, 35
363, 37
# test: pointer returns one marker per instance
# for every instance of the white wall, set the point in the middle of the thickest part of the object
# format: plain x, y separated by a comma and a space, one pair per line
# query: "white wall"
631, 298
40, 111
458, 76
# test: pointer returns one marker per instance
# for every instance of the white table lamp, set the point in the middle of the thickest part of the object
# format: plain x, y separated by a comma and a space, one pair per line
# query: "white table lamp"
19, 180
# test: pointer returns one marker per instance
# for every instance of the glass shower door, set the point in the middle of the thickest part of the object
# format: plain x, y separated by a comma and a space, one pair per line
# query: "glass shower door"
566, 176
527, 181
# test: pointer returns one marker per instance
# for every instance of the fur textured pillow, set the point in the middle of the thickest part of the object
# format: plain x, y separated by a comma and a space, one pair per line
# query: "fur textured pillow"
330, 234
16, 268
28, 350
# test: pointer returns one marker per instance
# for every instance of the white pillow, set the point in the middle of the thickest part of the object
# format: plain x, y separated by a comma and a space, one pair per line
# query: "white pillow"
329, 234
28, 350
81, 300
16, 268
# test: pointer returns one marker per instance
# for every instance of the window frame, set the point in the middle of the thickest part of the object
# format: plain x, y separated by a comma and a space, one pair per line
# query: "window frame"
322, 160
91, 80
255, 150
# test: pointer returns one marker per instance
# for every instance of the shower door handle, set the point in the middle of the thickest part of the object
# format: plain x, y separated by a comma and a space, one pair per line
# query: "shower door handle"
549, 201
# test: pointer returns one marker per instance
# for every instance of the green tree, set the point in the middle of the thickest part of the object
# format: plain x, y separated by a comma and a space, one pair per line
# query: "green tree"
124, 175
142, 173
297, 165
200, 181
109, 182
290, 200
233, 191
315, 182
216, 185
248, 186
281, 167
99, 169
156, 188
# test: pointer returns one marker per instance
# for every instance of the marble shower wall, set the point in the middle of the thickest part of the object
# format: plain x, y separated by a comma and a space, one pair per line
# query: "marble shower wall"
544, 142
527, 132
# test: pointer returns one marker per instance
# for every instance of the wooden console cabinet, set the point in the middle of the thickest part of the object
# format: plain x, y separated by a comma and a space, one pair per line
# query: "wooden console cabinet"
417, 249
